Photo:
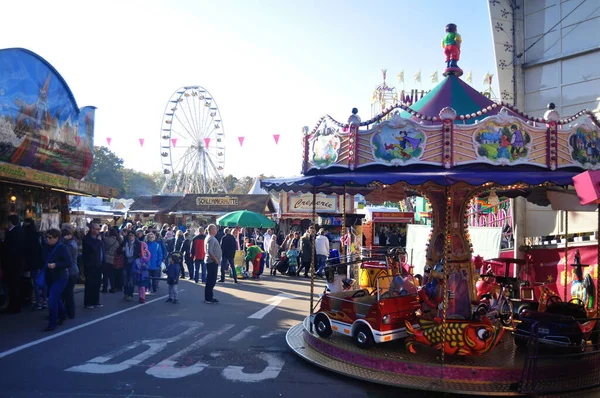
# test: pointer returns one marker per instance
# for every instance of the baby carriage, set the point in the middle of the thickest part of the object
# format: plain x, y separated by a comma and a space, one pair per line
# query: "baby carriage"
283, 264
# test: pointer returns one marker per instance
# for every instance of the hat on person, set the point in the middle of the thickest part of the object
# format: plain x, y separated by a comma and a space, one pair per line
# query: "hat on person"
139, 231
169, 235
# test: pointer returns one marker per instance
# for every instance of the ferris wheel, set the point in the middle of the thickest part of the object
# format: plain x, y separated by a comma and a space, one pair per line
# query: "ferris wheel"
192, 144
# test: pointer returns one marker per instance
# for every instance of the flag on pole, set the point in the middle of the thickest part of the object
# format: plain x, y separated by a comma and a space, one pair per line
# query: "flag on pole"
487, 79
469, 77
434, 77
241, 140
276, 137
401, 77
417, 76
141, 141
108, 140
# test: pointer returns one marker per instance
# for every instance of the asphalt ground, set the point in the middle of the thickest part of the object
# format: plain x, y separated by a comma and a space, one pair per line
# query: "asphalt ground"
236, 348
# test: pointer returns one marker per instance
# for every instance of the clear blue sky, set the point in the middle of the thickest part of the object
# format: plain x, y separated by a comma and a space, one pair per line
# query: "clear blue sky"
272, 66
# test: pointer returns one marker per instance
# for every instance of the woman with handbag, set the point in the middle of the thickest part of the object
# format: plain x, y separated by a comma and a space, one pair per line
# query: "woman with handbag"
57, 274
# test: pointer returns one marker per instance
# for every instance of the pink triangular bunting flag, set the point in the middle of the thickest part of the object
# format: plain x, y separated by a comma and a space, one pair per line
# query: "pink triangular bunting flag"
108, 140
141, 141
174, 141
276, 136
241, 140
207, 142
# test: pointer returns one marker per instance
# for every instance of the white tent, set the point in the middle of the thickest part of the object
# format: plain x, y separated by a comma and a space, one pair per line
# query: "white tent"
256, 188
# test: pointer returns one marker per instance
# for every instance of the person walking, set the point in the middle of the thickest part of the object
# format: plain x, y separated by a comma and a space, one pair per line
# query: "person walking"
56, 273
132, 249
111, 244
34, 256
67, 296
12, 264
212, 261
93, 258
267, 242
198, 248
188, 256
179, 240
154, 265
322, 250
173, 272
306, 253
273, 253
228, 248
141, 272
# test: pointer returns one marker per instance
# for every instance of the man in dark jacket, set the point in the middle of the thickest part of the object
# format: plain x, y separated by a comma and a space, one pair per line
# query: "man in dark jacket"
93, 258
228, 247
12, 263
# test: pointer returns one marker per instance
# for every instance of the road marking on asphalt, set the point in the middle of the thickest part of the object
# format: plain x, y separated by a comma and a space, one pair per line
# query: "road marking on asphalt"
98, 365
67, 331
166, 369
275, 302
274, 366
271, 333
243, 333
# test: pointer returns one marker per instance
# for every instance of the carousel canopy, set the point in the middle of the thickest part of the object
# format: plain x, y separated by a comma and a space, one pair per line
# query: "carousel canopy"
454, 93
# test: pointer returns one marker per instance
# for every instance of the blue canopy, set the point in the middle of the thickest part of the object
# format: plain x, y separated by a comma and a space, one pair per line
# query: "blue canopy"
364, 182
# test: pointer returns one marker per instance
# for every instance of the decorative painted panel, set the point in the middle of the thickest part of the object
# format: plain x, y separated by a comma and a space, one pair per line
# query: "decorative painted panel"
584, 145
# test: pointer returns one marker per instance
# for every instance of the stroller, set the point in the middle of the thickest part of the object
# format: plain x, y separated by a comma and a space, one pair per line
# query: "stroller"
282, 265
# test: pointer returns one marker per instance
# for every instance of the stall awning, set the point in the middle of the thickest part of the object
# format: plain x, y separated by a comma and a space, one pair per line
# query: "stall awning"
401, 220
11, 173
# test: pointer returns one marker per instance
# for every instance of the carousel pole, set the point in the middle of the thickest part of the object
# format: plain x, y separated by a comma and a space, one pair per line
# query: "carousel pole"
447, 242
312, 256
566, 279
343, 235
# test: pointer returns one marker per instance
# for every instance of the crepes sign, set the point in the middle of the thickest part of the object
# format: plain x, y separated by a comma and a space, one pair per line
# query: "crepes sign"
216, 201
304, 203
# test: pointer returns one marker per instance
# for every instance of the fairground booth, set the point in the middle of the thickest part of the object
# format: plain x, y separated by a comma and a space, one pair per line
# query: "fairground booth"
460, 328
46, 142
194, 210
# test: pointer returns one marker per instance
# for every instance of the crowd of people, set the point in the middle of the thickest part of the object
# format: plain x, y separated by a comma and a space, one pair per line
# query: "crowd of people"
41, 269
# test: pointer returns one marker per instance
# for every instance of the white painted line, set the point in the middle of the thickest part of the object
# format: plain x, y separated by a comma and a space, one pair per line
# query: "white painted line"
271, 371
67, 331
166, 368
271, 334
243, 333
276, 301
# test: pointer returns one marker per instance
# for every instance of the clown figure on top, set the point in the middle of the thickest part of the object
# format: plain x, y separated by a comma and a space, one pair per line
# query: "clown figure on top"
451, 45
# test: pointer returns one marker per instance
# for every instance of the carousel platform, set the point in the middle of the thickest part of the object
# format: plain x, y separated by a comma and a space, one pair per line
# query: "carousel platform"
497, 373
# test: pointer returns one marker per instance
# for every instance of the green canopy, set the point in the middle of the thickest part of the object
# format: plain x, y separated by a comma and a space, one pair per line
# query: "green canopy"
245, 218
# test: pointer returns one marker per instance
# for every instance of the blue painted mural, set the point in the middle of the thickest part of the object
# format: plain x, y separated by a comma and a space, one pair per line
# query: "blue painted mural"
40, 124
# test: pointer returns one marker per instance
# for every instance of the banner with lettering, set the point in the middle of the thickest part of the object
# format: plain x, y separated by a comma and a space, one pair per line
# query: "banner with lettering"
303, 203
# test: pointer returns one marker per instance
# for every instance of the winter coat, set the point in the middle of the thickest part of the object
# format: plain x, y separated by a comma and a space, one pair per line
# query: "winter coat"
229, 246
111, 244
93, 251
33, 244
73, 251
156, 255
252, 252
198, 247
59, 255
179, 244
187, 250
306, 254
173, 273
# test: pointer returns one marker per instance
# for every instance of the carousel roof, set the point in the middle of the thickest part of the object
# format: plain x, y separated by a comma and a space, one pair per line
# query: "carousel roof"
454, 93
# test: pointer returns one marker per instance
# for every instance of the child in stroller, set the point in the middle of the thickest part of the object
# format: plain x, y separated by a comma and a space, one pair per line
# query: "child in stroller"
281, 265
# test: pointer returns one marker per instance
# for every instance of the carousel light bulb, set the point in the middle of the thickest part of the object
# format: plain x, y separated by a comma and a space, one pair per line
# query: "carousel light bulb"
13, 198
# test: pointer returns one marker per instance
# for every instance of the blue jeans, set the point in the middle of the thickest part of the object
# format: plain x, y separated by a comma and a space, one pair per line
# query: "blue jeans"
38, 299
56, 308
197, 264
225, 263
321, 262
128, 280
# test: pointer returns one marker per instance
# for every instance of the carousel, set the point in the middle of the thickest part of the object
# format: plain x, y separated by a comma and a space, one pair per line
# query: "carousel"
447, 332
